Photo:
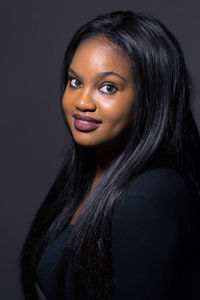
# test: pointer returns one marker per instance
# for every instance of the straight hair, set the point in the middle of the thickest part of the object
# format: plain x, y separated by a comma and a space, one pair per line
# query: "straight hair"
164, 134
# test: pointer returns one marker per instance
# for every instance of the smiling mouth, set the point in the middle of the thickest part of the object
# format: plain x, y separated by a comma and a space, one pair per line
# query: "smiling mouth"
86, 118
85, 126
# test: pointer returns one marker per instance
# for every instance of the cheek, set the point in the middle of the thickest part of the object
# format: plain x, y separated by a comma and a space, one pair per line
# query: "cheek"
66, 95
66, 103
120, 114
127, 108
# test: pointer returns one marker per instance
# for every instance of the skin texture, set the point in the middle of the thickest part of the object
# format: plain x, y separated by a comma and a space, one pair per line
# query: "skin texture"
107, 98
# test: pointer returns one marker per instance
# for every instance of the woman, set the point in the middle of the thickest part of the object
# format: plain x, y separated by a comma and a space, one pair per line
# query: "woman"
121, 219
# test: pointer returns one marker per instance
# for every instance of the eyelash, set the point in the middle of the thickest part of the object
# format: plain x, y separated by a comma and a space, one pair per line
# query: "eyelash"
105, 84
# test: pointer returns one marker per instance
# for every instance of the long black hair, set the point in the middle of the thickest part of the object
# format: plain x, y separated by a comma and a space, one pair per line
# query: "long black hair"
164, 134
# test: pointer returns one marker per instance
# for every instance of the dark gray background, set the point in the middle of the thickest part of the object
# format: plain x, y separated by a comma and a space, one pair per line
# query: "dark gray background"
33, 37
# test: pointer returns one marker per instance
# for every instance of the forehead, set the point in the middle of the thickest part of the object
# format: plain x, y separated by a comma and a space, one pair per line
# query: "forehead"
100, 54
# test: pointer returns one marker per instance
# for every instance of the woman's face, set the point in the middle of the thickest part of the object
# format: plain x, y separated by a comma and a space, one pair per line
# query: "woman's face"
100, 87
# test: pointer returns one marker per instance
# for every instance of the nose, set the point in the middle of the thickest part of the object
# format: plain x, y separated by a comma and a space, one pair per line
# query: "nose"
84, 101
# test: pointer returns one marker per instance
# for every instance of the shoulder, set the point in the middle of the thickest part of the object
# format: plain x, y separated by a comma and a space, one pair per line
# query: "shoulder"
160, 191
154, 226
156, 183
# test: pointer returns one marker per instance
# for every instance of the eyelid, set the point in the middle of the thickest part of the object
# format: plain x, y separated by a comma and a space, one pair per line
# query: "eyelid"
109, 83
72, 77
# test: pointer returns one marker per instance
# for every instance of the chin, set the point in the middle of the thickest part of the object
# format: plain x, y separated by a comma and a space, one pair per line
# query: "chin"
89, 143
83, 142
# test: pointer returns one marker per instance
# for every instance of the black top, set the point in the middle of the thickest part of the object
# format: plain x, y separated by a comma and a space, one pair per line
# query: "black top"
155, 242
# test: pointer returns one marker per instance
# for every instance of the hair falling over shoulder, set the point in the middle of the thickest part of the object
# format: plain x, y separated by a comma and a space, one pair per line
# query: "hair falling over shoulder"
164, 134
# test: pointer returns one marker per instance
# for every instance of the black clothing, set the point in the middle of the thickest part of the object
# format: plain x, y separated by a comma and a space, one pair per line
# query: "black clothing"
155, 242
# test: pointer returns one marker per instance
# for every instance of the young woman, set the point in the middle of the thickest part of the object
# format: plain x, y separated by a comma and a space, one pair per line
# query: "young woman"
121, 219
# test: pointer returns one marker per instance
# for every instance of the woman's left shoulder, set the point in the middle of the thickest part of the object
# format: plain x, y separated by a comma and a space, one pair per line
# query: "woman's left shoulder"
159, 182
165, 189
155, 225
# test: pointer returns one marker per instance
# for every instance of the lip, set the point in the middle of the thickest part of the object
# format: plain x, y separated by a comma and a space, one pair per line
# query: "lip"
85, 126
86, 118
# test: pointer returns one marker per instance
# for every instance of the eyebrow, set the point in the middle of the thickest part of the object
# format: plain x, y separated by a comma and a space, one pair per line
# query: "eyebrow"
99, 75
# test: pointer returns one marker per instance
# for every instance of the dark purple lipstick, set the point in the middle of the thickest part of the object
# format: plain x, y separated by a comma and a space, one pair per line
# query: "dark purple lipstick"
86, 118
85, 123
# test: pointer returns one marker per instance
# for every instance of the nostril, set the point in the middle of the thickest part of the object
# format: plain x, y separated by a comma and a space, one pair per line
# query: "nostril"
85, 100
84, 109
87, 105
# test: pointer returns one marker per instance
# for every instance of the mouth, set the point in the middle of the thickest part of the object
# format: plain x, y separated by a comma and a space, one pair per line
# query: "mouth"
85, 126
86, 118
86, 123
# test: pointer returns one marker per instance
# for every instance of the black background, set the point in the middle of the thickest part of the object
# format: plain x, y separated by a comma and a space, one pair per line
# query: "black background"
33, 36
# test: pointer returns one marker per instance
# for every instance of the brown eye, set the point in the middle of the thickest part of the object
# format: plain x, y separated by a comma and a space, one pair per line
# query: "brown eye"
108, 89
74, 83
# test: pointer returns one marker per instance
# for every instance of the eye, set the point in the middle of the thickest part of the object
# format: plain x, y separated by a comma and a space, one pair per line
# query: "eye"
108, 89
74, 82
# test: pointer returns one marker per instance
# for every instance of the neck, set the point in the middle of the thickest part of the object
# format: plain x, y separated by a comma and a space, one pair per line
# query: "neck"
105, 155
